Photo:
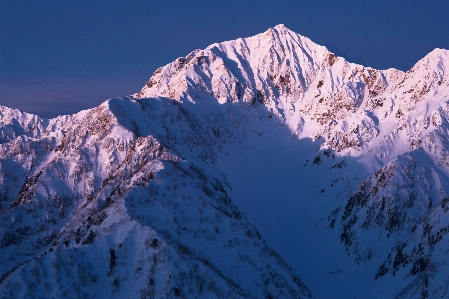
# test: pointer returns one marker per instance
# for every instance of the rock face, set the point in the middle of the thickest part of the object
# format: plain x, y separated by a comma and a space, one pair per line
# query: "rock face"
233, 172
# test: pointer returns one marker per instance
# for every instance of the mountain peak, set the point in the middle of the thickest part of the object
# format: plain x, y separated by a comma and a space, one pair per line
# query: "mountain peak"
281, 27
436, 54
439, 51
256, 63
282, 34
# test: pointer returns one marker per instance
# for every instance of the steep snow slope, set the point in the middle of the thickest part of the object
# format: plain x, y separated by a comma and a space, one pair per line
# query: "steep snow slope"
350, 123
341, 168
104, 205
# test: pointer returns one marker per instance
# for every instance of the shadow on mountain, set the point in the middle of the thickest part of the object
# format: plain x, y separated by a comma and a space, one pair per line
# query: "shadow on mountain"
237, 153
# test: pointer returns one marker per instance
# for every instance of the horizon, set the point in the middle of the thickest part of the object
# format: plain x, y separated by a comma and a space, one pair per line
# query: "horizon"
60, 58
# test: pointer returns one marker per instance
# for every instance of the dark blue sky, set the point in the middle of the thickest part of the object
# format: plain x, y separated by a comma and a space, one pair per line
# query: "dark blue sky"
59, 57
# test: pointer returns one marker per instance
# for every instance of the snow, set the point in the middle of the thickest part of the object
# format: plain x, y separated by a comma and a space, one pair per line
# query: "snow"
251, 163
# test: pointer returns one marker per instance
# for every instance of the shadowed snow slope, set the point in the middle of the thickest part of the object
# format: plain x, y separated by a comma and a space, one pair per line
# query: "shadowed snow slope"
264, 167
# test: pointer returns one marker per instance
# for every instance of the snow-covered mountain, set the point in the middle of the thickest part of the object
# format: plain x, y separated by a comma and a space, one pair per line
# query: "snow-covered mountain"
264, 167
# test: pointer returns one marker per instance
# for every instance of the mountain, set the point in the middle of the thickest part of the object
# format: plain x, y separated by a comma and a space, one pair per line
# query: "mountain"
263, 167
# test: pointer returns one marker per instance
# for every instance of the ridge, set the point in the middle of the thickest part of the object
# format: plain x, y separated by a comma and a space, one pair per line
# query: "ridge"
258, 167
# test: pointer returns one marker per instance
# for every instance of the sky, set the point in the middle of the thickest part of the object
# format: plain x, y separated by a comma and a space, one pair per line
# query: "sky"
60, 57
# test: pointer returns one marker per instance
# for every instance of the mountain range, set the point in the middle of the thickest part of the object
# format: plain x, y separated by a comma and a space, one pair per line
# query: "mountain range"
262, 167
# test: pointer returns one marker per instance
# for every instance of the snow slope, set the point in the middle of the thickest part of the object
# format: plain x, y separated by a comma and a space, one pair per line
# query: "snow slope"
234, 171
105, 210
